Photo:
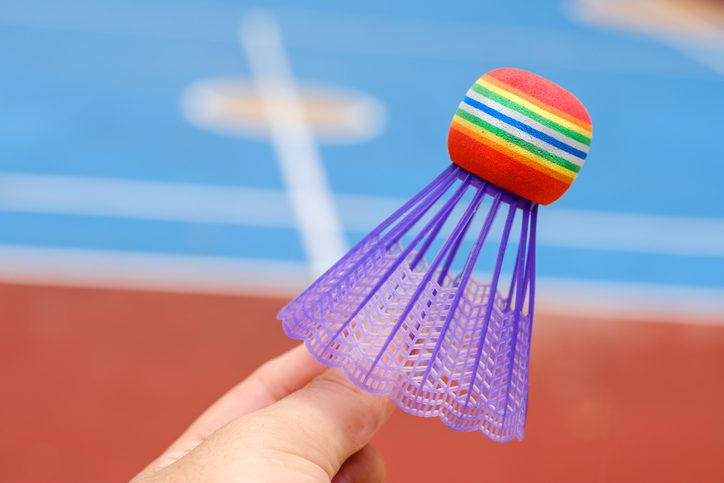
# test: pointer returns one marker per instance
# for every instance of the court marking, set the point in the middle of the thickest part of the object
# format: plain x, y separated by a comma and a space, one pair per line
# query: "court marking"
272, 278
151, 271
309, 193
233, 205
360, 116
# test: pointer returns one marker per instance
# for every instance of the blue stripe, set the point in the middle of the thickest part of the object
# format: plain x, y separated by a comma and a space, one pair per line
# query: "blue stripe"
524, 127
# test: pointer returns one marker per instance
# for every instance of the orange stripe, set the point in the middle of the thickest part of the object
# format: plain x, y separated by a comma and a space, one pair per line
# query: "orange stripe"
510, 153
537, 102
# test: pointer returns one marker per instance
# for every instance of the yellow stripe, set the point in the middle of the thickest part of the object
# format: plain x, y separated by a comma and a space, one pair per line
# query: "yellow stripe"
532, 107
491, 138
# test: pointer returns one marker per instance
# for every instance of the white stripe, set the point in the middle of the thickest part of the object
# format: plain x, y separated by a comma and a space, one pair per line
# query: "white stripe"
147, 200
631, 232
151, 271
301, 164
631, 301
114, 198
178, 273
520, 133
526, 120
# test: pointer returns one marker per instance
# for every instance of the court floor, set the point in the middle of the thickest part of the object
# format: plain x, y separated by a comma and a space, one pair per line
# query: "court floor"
100, 381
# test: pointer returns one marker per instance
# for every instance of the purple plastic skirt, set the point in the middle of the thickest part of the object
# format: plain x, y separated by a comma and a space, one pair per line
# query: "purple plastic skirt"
403, 316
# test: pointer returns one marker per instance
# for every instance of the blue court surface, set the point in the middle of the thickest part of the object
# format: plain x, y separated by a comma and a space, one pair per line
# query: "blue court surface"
223, 145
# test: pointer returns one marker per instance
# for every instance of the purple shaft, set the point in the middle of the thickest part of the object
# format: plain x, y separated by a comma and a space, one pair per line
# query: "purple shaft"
443, 214
467, 273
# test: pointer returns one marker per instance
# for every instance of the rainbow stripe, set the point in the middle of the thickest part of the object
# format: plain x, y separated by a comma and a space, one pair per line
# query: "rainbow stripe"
524, 128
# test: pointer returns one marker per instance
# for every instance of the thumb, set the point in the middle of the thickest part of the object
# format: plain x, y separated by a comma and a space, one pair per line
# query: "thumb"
327, 421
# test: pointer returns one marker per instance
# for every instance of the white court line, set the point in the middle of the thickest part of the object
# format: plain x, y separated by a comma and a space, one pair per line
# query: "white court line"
229, 205
151, 271
144, 200
309, 194
272, 278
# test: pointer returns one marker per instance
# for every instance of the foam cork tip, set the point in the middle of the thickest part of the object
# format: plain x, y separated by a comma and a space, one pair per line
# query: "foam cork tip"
522, 133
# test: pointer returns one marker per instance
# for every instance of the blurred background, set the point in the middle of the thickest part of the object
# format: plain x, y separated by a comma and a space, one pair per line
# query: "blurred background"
155, 160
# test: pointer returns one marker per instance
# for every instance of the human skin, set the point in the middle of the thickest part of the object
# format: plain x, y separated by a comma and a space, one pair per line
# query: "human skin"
292, 420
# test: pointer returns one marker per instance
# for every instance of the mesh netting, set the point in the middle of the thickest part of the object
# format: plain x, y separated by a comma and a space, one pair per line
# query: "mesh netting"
437, 344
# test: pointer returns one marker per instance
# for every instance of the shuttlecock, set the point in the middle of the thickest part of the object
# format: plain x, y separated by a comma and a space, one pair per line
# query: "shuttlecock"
434, 307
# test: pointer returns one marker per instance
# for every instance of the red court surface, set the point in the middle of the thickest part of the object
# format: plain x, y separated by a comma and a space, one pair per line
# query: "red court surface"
95, 383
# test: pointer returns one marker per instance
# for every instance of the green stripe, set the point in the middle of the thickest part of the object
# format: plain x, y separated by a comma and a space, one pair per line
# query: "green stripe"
533, 115
564, 163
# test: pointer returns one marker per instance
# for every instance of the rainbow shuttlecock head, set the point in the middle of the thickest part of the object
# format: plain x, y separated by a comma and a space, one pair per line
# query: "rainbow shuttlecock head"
434, 307
521, 132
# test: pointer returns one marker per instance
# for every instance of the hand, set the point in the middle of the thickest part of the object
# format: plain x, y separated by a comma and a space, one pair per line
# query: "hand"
292, 420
